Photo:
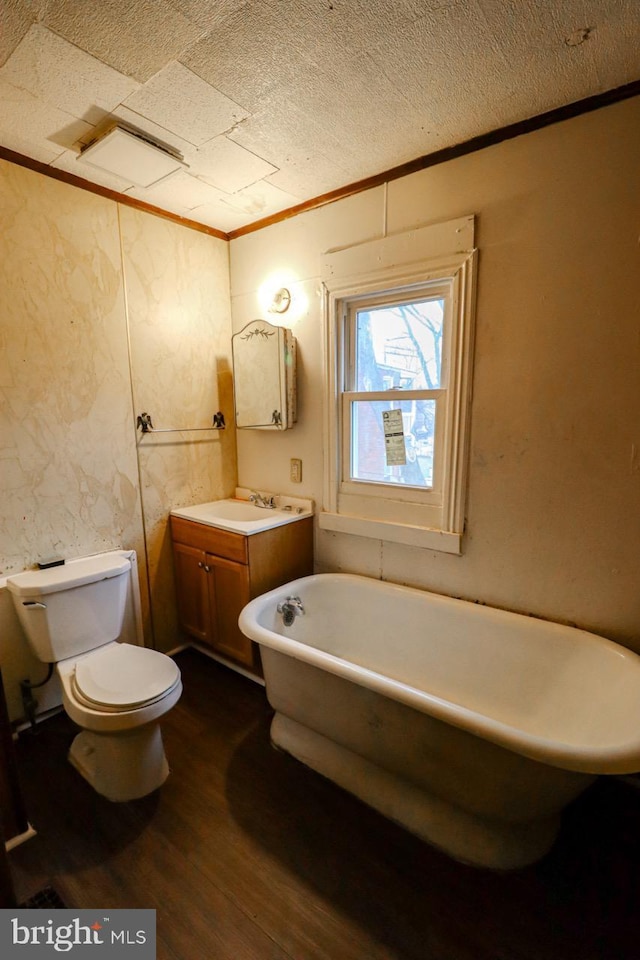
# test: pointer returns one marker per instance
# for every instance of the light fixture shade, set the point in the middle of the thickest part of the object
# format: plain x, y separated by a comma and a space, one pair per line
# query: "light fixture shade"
131, 158
281, 301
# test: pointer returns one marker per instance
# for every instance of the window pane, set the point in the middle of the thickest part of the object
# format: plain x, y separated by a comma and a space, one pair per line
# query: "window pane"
399, 346
369, 451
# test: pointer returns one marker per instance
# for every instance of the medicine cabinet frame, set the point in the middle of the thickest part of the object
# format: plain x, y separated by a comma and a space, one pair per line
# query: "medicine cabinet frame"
264, 377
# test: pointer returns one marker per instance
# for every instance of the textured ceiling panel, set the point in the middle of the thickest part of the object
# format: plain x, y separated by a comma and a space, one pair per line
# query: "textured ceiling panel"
377, 120
360, 24
547, 43
51, 129
180, 102
306, 174
458, 76
230, 212
259, 50
291, 140
451, 51
228, 166
206, 14
136, 37
221, 216
180, 193
16, 16
261, 200
61, 74
275, 102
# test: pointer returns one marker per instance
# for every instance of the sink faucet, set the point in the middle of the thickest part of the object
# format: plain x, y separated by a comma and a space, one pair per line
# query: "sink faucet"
267, 503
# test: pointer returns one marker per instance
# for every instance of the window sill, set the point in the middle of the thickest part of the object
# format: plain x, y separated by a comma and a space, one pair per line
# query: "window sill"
411, 536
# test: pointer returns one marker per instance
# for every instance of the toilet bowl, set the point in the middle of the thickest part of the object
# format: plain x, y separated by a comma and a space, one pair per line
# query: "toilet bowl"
120, 750
116, 692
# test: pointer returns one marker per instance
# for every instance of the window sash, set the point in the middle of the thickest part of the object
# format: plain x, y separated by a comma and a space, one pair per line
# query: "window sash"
427, 290
356, 486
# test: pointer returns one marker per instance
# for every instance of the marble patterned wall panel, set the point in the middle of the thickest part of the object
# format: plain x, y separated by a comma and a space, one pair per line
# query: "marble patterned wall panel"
177, 287
69, 469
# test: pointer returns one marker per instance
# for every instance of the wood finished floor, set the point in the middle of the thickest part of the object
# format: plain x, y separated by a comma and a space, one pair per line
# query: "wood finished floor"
247, 855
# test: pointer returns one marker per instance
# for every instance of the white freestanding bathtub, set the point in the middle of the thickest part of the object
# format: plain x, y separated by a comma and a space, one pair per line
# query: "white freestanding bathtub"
473, 727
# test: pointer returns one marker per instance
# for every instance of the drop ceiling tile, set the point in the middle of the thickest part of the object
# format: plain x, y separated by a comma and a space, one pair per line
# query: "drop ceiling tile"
379, 125
17, 17
59, 73
228, 166
307, 176
616, 50
209, 15
25, 118
449, 57
182, 190
43, 150
221, 216
171, 206
554, 67
261, 200
137, 38
182, 103
263, 48
281, 131
360, 23
466, 73
311, 160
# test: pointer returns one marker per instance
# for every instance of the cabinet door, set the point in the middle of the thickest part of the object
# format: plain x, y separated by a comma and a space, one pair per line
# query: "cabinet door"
228, 594
190, 565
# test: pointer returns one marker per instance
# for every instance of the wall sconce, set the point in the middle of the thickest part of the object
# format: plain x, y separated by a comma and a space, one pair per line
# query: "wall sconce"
281, 301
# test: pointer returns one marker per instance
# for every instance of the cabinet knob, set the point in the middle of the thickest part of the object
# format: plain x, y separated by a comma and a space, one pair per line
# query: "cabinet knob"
207, 568
200, 564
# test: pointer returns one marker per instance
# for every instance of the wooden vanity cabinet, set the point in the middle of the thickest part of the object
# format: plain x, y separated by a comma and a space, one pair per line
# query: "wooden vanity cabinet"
217, 572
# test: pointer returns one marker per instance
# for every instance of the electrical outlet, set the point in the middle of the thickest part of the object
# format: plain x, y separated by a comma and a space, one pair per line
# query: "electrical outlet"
295, 470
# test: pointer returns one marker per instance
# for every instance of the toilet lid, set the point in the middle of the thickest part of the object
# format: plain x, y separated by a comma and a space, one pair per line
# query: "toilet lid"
122, 675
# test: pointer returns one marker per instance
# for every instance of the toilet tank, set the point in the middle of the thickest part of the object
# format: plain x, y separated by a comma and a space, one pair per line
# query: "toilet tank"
73, 608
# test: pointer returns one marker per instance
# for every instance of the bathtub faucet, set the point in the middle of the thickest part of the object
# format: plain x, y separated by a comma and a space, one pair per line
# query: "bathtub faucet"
268, 503
290, 609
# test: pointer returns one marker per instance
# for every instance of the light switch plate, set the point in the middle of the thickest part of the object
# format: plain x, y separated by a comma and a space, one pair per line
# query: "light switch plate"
295, 470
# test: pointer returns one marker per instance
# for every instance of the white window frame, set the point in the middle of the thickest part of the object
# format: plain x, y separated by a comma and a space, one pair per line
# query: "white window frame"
441, 259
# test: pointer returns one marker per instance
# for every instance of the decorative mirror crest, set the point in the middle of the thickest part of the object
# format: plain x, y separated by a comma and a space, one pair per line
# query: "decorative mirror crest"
265, 334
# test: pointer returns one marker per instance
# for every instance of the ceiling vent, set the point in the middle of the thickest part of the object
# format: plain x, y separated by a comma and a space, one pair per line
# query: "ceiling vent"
132, 157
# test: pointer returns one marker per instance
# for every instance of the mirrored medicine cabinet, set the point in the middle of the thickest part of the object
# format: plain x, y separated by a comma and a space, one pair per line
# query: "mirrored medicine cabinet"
264, 376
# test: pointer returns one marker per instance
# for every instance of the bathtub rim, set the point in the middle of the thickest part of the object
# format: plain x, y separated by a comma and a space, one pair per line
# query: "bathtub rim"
623, 758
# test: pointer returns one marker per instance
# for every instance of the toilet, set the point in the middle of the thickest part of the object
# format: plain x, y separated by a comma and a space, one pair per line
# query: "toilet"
116, 692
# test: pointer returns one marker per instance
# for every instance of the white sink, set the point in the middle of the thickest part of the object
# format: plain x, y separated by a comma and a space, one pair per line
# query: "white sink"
241, 516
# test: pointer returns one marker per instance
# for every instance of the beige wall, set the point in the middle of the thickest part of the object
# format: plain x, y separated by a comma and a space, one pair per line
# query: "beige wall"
106, 312
177, 301
553, 510
66, 410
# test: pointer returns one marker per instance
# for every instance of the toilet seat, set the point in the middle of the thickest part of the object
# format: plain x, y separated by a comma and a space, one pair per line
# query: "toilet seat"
121, 677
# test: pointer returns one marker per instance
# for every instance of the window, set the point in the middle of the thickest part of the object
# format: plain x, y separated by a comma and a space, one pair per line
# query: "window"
398, 387
394, 364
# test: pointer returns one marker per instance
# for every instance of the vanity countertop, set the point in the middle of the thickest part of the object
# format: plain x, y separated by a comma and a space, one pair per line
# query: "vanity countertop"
240, 515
